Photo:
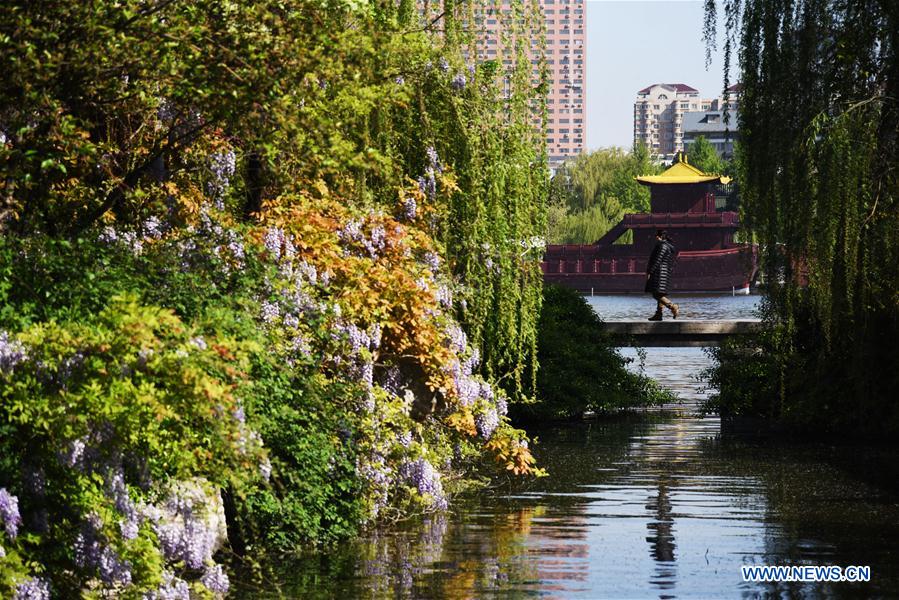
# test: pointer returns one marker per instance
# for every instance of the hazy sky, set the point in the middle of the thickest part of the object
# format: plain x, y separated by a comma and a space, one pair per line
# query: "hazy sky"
632, 44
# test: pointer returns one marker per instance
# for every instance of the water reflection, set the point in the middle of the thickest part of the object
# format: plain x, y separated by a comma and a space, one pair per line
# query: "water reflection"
659, 507
661, 535
632, 510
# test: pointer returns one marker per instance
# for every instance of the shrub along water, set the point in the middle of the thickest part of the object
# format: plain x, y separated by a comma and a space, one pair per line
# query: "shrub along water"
580, 370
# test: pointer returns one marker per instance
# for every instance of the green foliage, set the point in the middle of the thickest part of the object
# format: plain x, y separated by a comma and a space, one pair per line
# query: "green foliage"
817, 169
590, 179
704, 157
316, 496
583, 227
590, 194
100, 417
580, 369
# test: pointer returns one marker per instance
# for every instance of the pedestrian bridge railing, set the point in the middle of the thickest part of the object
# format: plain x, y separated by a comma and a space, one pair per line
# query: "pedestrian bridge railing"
679, 333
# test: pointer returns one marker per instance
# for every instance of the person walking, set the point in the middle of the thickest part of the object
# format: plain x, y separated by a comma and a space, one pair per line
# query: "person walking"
658, 274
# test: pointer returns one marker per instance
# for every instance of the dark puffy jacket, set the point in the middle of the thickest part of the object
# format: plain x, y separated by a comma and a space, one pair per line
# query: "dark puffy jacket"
659, 267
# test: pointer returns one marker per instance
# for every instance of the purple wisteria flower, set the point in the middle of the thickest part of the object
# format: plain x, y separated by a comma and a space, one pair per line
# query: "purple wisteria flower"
215, 580
35, 588
357, 337
433, 158
221, 166
410, 208
185, 530
9, 513
108, 235
378, 475
308, 272
467, 388
502, 407
445, 296
73, 455
352, 234
265, 469
427, 184
12, 353
486, 422
152, 228
270, 311
172, 588
278, 244
421, 475
393, 381
459, 82
118, 491
400, 80
92, 551
458, 341
487, 392
444, 65
432, 260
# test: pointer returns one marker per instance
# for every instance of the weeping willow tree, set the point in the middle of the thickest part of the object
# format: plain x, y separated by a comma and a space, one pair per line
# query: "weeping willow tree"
819, 124
492, 226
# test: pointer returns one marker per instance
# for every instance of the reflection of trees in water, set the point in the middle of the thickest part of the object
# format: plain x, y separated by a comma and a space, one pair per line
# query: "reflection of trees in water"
473, 558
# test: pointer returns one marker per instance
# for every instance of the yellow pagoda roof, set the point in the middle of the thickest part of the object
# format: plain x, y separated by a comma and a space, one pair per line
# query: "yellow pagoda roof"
682, 172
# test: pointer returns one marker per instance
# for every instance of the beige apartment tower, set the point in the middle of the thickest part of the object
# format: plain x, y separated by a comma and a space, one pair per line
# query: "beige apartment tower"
659, 116
565, 57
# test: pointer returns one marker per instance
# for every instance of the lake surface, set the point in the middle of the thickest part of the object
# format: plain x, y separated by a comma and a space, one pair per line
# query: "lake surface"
652, 507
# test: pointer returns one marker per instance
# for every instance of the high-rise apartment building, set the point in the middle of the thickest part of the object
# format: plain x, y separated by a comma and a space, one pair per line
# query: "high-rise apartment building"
662, 111
658, 116
565, 56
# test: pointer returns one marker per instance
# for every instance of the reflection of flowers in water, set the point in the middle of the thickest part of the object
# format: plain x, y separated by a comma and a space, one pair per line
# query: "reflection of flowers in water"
394, 563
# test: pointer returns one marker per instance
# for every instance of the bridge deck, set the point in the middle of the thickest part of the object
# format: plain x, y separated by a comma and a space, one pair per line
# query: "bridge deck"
680, 332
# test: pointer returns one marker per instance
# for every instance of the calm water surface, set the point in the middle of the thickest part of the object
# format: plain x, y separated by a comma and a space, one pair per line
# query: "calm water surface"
650, 507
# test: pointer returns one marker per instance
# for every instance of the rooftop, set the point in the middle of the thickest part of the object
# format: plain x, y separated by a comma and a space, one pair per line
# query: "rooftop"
710, 121
678, 87
681, 172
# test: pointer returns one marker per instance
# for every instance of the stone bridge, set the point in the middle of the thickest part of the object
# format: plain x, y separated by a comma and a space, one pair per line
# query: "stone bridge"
679, 333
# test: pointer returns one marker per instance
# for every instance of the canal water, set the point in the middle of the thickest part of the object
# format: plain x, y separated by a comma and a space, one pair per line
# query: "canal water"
655, 506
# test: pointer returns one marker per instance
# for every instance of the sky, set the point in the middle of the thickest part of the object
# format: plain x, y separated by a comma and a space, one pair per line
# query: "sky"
632, 44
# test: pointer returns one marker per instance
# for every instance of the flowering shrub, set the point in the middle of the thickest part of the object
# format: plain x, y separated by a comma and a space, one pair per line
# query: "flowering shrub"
117, 436
328, 207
